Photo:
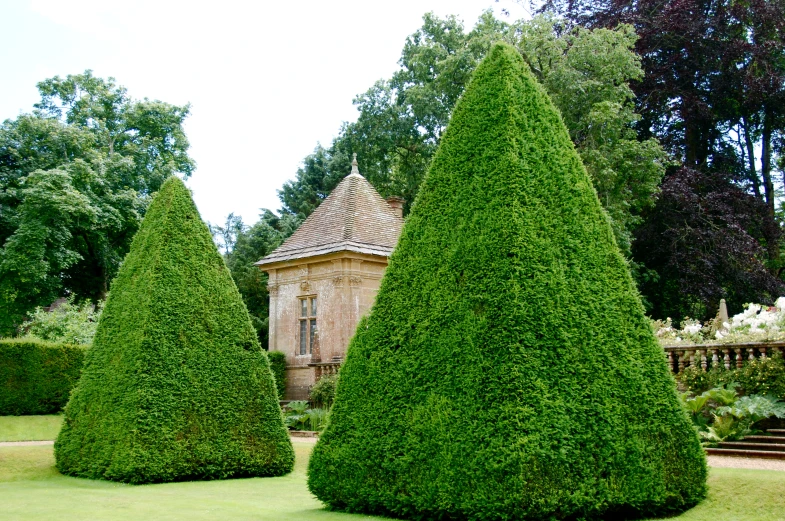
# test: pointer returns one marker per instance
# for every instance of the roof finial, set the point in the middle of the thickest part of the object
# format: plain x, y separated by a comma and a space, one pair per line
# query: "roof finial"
355, 170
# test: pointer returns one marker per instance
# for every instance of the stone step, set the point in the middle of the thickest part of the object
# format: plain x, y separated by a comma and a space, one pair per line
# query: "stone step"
752, 446
776, 431
765, 439
771, 454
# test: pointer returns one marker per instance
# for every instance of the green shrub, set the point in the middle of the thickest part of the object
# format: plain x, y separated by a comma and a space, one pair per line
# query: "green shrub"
68, 323
695, 379
175, 385
299, 417
36, 377
278, 367
507, 369
323, 392
764, 376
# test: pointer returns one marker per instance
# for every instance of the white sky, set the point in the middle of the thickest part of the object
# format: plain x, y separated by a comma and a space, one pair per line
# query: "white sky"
266, 81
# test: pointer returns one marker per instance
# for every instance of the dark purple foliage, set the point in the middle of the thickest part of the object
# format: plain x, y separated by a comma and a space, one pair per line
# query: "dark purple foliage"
701, 243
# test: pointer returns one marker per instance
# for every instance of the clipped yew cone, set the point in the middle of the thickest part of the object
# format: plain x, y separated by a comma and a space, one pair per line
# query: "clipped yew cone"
175, 386
507, 370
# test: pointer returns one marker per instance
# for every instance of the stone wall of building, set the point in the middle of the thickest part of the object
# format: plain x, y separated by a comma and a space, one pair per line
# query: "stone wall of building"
345, 285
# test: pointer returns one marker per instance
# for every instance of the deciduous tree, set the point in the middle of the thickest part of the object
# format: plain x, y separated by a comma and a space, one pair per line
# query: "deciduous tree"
587, 74
75, 178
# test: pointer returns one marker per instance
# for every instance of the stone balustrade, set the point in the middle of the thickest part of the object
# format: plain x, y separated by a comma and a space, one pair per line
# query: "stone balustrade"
707, 356
326, 368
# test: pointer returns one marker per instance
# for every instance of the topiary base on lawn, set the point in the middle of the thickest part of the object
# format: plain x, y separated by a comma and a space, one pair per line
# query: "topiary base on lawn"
507, 370
175, 386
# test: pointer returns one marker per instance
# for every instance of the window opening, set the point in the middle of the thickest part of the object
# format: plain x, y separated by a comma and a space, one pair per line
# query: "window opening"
308, 327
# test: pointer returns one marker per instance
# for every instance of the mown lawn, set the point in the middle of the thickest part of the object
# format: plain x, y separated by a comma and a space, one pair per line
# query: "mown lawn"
31, 489
30, 428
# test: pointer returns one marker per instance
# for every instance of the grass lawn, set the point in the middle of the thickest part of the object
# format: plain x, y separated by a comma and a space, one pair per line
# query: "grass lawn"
30, 428
31, 489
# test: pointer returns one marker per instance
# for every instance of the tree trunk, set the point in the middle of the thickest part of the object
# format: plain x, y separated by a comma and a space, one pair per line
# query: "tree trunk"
773, 246
765, 163
752, 171
690, 144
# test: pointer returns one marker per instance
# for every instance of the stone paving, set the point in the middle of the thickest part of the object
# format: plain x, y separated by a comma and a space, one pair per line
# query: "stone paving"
25, 443
746, 463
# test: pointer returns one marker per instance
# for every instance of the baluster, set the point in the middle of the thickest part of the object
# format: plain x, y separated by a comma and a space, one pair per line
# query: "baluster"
762, 352
669, 356
691, 354
715, 358
751, 354
702, 355
727, 359
682, 355
739, 360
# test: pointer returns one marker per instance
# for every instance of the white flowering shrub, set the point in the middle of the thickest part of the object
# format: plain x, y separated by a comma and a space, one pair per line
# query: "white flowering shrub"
756, 323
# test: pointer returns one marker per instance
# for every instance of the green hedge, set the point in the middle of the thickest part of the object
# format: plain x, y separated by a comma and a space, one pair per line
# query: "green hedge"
175, 385
36, 377
507, 369
278, 367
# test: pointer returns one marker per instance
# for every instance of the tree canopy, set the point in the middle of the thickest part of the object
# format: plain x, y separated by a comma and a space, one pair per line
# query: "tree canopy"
76, 175
714, 94
586, 72
509, 340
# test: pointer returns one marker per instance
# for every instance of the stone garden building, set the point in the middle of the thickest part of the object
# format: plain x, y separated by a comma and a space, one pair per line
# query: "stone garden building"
325, 276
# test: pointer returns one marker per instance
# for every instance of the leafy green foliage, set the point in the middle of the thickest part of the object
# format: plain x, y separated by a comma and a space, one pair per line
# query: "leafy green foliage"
721, 415
754, 408
509, 340
322, 393
764, 376
175, 386
302, 418
76, 176
36, 377
278, 367
66, 323
725, 428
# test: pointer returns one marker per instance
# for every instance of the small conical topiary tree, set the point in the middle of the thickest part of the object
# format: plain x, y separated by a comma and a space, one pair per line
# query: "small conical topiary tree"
507, 370
175, 385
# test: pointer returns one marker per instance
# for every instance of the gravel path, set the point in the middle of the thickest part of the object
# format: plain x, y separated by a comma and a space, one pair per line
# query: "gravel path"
746, 463
25, 443
305, 439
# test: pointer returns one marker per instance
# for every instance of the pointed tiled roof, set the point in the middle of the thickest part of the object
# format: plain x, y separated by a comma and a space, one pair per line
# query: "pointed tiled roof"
354, 217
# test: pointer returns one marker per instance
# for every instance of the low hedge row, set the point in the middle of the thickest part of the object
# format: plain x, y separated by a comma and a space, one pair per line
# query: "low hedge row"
36, 377
278, 367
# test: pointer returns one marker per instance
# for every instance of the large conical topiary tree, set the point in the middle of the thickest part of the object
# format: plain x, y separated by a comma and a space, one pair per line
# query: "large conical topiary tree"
175, 385
507, 370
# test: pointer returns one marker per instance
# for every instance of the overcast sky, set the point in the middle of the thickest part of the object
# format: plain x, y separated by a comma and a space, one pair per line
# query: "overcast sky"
266, 81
